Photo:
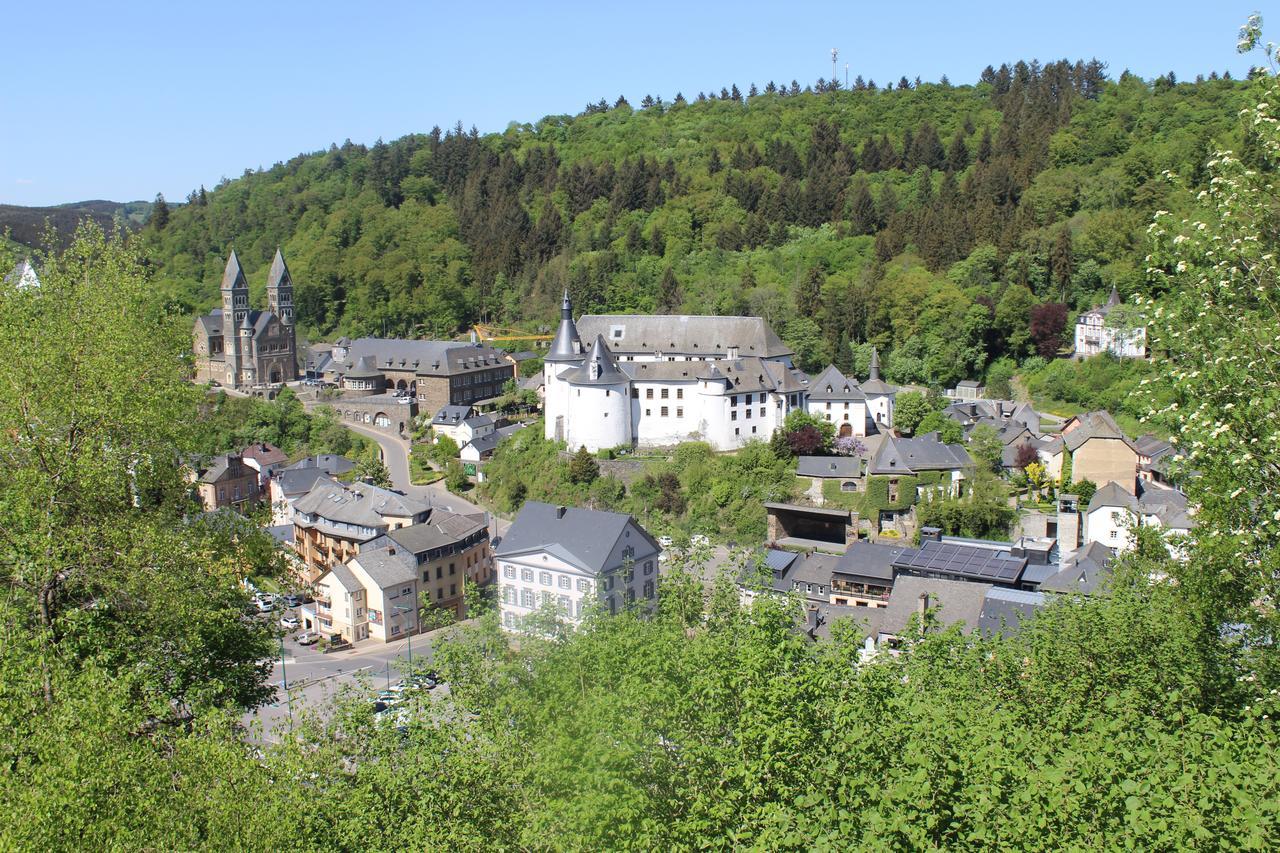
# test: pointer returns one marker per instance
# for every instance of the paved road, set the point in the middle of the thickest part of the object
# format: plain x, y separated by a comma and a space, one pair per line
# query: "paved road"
395, 454
314, 678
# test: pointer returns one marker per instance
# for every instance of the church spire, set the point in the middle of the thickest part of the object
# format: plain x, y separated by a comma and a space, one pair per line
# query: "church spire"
280, 290
875, 365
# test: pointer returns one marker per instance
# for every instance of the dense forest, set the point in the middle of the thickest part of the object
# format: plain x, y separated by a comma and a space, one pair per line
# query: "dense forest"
955, 227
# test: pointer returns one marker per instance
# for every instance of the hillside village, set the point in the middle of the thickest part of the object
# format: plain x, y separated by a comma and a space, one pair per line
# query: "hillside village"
852, 541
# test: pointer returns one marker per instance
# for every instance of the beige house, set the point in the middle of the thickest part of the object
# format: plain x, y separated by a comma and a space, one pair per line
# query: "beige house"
379, 593
227, 482
1098, 450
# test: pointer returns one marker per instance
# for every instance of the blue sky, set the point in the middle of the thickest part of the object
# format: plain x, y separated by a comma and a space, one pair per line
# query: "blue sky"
122, 101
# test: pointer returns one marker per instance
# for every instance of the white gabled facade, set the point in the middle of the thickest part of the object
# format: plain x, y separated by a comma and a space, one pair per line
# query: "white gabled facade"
1094, 336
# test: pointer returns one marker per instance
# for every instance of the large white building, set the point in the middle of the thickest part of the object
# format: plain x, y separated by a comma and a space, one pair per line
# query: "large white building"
857, 409
1095, 335
661, 380
567, 558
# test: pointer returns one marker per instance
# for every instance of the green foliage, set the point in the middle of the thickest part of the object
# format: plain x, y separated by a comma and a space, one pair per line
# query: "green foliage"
371, 469
826, 214
949, 431
1084, 489
909, 409
455, 477
443, 450
986, 448
983, 511
1100, 382
231, 423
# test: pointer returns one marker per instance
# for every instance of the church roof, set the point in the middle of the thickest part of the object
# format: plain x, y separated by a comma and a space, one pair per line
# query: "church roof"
279, 274
233, 275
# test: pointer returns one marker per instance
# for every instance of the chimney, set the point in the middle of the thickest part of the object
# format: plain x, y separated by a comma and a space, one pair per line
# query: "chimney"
922, 609
560, 511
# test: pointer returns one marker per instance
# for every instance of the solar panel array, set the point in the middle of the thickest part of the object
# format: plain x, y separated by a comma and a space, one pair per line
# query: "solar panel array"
981, 564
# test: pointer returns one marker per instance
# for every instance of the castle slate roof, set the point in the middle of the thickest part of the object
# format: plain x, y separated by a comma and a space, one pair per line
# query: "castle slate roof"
567, 344
922, 453
874, 386
364, 369
834, 386
583, 537
601, 363
683, 334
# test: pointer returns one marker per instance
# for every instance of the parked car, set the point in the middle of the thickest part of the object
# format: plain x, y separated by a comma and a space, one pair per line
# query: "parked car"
264, 604
293, 599
307, 638
289, 622
421, 682
664, 541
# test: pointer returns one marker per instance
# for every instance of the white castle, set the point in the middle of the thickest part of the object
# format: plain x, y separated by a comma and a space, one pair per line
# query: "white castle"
657, 381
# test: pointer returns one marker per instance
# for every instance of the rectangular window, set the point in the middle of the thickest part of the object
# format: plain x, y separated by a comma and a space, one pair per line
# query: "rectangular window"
733, 400
733, 416
679, 393
648, 412
648, 393
648, 589
664, 411
526, 598
453, 589
748, 414
664, 393
440, 594
406, 590
648, 567
584, 585
563, 581
635, 393
439, 572
753, 430
762, 413
737, 431
508, 595
526, 575
608, 583
395, 629
544, 578
563, 602
452, 569
679, 411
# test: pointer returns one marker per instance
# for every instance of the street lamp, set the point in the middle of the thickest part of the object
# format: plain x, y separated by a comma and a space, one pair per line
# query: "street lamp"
284, 676
404, 609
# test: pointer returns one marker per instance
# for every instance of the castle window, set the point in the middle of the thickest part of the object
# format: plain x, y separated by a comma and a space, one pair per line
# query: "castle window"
648, 393
679, 393
679, 411
664, 411
664, 393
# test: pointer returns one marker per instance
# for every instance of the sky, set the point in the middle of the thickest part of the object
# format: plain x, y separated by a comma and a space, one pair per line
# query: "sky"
122, 101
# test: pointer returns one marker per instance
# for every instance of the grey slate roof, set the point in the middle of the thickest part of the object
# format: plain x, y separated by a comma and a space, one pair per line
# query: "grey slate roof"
265, 453
1112, 495
329, 463
345, 577
1167, 504
1097, 424
922, 453
233, 274
829, 467
681, 334
295, 482
1004, 609
955, 602
278, 276
489, 442
874, 386
584, 537
385, 568
364, 369
832, 385
425, 358
442, 529
1083, 572
567, 344
357, 503
869, 561
599, 368
451, 415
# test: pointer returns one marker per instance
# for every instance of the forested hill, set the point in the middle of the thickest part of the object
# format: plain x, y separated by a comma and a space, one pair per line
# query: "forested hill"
952, 226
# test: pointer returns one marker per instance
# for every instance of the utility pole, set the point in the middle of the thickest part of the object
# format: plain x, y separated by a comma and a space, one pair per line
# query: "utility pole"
846, 75
284, 676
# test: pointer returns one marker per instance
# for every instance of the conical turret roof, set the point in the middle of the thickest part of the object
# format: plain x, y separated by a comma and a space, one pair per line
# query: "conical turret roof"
599, 367
364, 369
874, 386
567, 345
279, 275
233, 275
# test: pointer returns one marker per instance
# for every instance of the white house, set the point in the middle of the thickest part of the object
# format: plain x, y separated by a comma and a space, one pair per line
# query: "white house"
1094, 335
569, 557
659, 381
855, 408
461, 424
1113, 513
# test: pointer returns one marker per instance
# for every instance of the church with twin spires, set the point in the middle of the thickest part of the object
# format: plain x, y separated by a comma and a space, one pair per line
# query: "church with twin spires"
241, 347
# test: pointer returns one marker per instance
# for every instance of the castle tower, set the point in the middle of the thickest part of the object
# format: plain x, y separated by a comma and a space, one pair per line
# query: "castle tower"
599, 395
565, 353
235, 312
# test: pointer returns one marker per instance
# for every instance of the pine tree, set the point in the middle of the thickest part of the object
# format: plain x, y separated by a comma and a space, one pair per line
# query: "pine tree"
957, 154
984, 147
734, 94
808, 294
583, 468
679, 99
669, 297
753, 91
714, 165
863, 218
159, 213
